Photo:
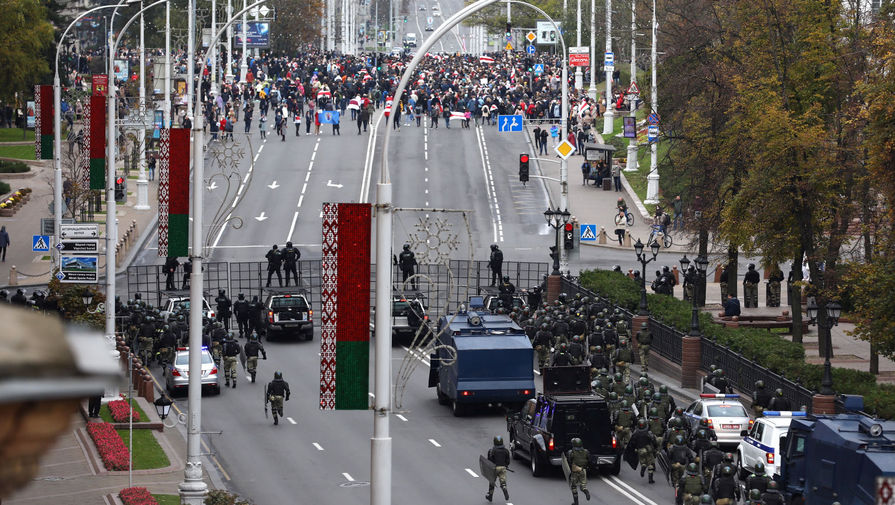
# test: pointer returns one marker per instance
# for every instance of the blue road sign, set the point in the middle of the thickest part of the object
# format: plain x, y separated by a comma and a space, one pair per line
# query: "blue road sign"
40, 243
539, 68
588, 233
530, 49
652, 133
509, 123
653, 118
60, 275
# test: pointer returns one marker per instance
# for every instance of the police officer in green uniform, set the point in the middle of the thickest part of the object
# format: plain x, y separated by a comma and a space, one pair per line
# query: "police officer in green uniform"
618, 384
622, 359
656, 426
690, 486
500, 456
276, 392
624, 419
645, 443
232, 350
542, 344
750, 286
644, 341
252, 348
725, 273
578, 458
679, 456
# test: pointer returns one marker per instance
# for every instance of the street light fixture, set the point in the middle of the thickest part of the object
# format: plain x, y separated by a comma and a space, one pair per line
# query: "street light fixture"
163, 407
87, 297
641, 257
556, 219
701, 265
834, 311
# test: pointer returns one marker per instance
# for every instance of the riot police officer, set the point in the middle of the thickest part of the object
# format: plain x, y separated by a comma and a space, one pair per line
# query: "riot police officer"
407, 262
750, 286
644, 442
256, 308
644, 341
241, 311
690, 486
500, 456
276, 392
495, 263
252, 348
778, 402
170, 267
274, 263
506, 290
187, 271
758, 480
223, 306
578, 458
725, 487
761, 398
291, 255
231, 353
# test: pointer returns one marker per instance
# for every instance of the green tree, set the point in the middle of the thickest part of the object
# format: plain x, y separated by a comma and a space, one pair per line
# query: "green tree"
25, 33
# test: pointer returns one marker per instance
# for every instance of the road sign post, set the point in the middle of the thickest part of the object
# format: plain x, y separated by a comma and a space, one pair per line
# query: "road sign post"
588, 233
538, 68
40, 243
530, 49
510, 123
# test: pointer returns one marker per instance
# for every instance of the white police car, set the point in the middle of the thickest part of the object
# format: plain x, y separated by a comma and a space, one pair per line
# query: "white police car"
725, 414
761, 444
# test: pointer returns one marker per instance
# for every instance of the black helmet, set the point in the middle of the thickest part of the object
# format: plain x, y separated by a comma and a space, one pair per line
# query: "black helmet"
576, 442
778, 392
498, 440
641, 423
493, 247
728, 457
506, 278
701, 434
679, 440
755, 494
657, 397
692, 469
772, 485
274, 246
727, 471
751, 266
241, 296
289, 244
759, 468
759, 384
220, 292
278, 375
406, 247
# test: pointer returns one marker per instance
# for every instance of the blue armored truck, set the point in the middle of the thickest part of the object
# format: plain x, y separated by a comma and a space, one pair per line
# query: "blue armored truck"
481, 360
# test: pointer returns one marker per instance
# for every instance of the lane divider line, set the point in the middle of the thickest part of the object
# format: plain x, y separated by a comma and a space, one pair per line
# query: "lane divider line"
471, 473
317, 446
433, 442
349, 478
291, 420
399, 416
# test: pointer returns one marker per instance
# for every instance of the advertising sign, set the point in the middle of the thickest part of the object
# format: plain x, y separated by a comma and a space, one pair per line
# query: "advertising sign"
579, 56
630, 124
121, 70
257, 34
29, 114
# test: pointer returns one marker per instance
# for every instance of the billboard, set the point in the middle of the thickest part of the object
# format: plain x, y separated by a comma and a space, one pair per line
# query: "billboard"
121, 70
257, 34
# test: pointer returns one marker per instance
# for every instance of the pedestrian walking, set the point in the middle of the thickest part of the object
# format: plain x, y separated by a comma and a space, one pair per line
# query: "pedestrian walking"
678, 208
276, 392
617, 176
4, 242
262, 126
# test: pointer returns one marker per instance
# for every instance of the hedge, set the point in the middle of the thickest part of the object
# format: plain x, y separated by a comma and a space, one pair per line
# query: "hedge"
4, 188
13, 167
765, 348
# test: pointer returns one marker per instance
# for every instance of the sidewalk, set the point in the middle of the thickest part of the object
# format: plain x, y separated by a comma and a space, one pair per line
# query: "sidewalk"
71, 471
590, 204
848, 351
34, 268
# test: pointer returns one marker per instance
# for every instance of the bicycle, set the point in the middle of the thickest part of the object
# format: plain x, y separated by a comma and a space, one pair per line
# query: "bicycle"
624, 217
667, 240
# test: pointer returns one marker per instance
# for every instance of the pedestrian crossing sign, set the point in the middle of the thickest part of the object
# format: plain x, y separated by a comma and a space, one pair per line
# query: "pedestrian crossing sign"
40, 243
588, 233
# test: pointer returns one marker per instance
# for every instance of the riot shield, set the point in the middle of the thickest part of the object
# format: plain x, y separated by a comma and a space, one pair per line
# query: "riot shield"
664, 464
242, 357
565, 467
486, 466
630, 456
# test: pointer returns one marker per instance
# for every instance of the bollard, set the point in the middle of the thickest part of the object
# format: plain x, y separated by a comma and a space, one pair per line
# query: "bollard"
627, 239
677, 277
602, 239
13, 276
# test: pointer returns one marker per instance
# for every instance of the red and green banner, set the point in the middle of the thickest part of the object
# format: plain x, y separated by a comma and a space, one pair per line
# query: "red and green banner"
345, 301
43, 122
96, 142
174, 192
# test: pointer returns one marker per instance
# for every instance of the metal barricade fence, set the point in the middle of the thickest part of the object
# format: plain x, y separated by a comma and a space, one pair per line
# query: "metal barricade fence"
666, 341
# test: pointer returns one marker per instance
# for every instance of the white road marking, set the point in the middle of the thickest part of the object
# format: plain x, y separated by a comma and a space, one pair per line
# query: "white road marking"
307, 176
314, 154
273, 185
489, 179
292, 226
536, 372
426, 179
317, 446
427, 204
368, 162
470, 472
625, 485
262, 217
261, 147
291, 420
331, 184
303, 188
348, 477
300, 199
433, 442
399, 416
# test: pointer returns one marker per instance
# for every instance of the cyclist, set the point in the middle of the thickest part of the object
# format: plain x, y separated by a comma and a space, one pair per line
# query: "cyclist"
661, 221
622, 207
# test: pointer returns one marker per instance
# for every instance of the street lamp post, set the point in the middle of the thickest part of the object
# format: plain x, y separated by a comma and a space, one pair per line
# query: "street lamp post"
652, 188
632, 144
592, 90
557, 219
832, 311
609, 115
641, 257
142, 182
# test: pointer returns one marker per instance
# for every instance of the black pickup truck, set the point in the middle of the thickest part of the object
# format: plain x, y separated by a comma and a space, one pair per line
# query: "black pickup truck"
545, 426
288, 314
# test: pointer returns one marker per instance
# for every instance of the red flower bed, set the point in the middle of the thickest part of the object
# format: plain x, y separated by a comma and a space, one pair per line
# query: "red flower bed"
110, 446
136, 496
120, 409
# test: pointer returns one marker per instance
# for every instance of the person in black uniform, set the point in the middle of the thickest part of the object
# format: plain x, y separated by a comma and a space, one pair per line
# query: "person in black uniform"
506, 290
407, 262
495, 263
772, 496
252, 348
750, 287
187, 271
725, 488
170, 267
274, 263
94, 403
778, 402
241, 310
761, 398
256, 308
291, 255
19, 298
223, 309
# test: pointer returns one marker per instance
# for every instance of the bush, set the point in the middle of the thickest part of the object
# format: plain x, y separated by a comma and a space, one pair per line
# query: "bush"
767, 349
136, 496
220, 497
13, 167
4, 188
121, 411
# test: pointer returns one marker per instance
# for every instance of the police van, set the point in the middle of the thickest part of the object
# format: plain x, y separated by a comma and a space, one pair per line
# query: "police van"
762, 443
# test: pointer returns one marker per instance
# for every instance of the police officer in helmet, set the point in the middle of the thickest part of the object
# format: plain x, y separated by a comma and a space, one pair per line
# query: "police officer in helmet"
500, 456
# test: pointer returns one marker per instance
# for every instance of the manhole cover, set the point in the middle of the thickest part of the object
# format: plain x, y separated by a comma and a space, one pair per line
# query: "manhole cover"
357, 483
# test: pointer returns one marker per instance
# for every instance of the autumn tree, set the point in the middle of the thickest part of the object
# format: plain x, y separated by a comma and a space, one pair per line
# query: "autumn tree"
25, 34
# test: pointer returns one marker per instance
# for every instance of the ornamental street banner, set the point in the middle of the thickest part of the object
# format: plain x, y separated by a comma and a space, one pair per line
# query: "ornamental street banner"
43, 122
96, 142
345, 300
174, 192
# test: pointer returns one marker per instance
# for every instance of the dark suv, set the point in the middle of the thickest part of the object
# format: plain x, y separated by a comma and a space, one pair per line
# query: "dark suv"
288, 314
545, 426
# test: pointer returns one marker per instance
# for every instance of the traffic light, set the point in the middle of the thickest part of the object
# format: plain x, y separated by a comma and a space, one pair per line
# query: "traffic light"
569, 236
509, 31
523, 168
405, 19
120, 189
